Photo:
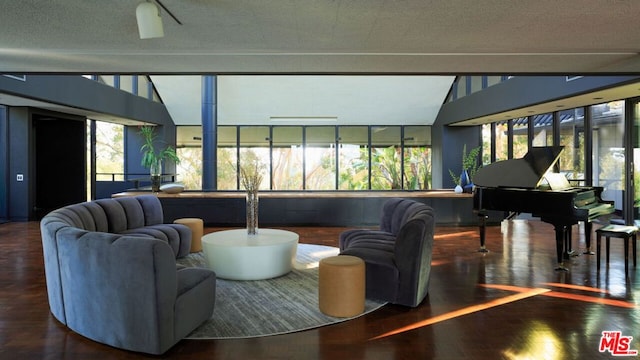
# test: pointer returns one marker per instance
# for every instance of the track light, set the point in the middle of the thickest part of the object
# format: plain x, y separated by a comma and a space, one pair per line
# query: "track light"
149, 21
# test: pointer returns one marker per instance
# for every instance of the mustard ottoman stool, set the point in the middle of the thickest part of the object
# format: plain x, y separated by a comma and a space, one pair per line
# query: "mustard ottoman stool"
197, 230
341, 286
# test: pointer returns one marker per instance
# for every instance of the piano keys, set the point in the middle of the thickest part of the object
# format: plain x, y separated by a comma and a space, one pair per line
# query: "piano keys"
515, 186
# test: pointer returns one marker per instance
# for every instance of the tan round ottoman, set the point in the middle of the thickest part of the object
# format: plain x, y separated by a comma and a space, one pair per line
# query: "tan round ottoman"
197, 230
341, 286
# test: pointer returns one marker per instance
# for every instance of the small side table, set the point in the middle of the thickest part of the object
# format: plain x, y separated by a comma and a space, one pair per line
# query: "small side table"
341, 286
197, 230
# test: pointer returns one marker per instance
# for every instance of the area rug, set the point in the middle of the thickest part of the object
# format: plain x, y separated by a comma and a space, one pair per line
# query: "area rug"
282, 305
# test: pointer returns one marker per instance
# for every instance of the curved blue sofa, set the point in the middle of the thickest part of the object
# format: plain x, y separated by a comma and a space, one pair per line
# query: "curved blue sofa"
112, 277
398, 255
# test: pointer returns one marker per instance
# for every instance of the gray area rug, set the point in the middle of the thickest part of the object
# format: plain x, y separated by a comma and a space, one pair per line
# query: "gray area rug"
281, 305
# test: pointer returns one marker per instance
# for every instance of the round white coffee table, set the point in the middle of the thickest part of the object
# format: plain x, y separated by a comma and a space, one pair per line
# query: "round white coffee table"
235, 255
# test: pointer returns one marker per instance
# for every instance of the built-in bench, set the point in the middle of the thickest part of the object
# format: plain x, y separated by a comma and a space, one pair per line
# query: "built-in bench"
310, 208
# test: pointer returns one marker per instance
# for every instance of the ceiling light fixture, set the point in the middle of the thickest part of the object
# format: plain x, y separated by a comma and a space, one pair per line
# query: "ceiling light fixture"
149, 20
304, 118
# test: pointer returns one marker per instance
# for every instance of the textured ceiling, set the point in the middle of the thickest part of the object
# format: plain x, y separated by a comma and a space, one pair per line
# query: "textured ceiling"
310, 36
352, 37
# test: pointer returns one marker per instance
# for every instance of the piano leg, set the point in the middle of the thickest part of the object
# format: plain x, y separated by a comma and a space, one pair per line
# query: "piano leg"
587, 237
567, 243
568, 240
482, 219
561, 231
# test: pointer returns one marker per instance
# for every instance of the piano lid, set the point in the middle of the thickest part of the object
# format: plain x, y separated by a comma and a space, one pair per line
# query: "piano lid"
527, 172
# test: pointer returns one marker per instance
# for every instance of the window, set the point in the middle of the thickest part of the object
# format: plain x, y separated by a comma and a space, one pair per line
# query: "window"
189, 151
486, 144
386, 158
636, 160
353, 157
417, 158
520, 137
543, 130
608, 149
254, 146
109, 151
320, 158
572, 159
502, 140
287, 158
227, 158
313, 157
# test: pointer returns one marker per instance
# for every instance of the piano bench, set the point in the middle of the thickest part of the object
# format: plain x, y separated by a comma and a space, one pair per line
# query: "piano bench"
617, 231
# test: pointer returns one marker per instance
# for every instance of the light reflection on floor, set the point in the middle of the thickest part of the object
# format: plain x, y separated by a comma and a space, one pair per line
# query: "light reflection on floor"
316, 255
542, 343
521, 293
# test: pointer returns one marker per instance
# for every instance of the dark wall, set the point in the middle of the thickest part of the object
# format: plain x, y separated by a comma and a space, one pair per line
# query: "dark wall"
105, 189
4, 162
522, 91
310, 211
81, 93
17, 130
20, 194
166, 135
448, 146
517, 92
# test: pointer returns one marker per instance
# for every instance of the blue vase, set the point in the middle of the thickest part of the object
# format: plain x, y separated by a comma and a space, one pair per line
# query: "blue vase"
465, 182
464, 179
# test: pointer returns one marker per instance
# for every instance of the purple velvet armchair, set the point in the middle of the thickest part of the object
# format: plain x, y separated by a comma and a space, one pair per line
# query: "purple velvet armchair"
397, 255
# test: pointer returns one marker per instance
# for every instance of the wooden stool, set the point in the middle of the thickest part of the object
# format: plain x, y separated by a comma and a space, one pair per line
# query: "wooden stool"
197, 230
341, 286
618, 231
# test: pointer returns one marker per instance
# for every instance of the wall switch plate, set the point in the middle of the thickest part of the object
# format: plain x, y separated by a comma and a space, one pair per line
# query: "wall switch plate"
19, 177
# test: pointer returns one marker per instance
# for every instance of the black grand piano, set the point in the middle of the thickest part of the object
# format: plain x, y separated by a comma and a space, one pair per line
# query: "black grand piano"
515, 186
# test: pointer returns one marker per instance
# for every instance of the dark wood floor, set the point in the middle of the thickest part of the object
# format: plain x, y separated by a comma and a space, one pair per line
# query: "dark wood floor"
505, 304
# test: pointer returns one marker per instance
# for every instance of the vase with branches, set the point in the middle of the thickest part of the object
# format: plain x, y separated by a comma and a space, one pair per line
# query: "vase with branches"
251, 177
152, 158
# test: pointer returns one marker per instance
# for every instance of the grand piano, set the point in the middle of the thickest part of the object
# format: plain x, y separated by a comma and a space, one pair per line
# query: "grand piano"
516, 186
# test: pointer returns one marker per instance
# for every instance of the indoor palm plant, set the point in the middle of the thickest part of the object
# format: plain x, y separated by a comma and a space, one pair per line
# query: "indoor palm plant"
152, 158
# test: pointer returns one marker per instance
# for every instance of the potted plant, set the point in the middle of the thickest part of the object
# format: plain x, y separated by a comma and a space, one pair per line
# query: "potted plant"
152, 159
470, 164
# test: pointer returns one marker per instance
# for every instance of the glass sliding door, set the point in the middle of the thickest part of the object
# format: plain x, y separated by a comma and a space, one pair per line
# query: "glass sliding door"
635, 139
608, 150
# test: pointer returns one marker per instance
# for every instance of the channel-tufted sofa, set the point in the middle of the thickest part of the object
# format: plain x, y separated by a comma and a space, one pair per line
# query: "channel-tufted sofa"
398, 255
111, 274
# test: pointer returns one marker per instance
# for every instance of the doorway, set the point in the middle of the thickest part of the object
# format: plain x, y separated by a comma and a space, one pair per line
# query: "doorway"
60, 163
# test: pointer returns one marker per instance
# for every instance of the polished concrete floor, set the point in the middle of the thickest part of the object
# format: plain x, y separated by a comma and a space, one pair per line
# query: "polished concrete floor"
508, 303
